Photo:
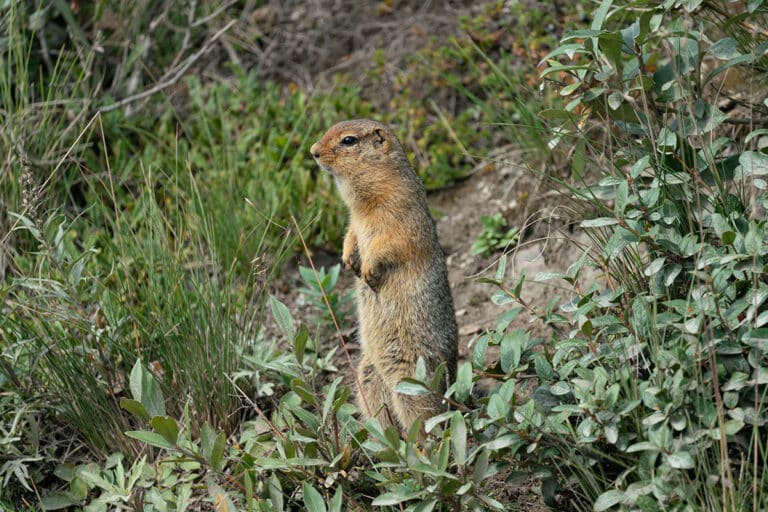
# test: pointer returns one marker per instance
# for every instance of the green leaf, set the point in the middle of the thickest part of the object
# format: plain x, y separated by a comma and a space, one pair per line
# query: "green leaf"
166, 427
543, 368
655, 266
426, 505
207, 439
512, 349
397, 497
478, 353
501, 443
134, 407
421, 369
622, 192
216, 457
615, 99
313, 499
753, 163
599, 222
640, 166
560, 388
608, 499
671, 273
666, 140
519, 286
64, 471
432, 422
135, 380
601, 14
611, 44
92, 476
151, 438
725, 48
341, 398
412, 387
459, 438
693, 324
330, 395
283, 318
569, 89
491, 502
680, 460
146, 390
753, 5
502, 298
275, 493
506, 318
502, 268
482, 469
57, 501
497, 407
336, 501
463, 385
301, 388
300, 343
547, 276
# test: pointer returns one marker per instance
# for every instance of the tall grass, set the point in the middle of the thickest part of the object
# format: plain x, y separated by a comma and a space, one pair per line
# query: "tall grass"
119, 248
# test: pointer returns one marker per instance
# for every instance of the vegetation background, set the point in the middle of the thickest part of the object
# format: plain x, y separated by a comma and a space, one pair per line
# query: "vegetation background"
175, 335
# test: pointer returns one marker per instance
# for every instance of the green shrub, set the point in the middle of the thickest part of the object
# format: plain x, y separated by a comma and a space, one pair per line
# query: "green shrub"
653, 394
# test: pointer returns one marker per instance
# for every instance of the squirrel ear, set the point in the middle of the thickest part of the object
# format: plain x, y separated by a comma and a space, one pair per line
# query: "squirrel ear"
380, 139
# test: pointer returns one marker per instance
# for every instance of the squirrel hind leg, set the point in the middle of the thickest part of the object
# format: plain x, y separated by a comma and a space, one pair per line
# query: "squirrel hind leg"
374, 397
410, 408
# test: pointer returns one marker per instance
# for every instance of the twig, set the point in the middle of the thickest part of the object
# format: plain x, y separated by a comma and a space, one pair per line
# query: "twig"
215, 13
333, 317
11, 373
187, 35
258, 410
231, 52
175, 78
748, 121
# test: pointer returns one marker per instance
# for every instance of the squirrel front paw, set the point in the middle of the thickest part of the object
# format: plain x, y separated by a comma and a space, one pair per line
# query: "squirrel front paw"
352, 261
374, 275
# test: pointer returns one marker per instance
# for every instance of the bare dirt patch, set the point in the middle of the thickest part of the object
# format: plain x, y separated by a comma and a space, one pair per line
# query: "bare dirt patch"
309, 42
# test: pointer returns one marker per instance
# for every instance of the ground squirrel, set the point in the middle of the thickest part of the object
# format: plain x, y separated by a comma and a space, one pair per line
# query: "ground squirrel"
404, 304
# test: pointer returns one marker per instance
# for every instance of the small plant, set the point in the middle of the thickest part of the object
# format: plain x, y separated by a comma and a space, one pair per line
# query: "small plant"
317, 293
496, 235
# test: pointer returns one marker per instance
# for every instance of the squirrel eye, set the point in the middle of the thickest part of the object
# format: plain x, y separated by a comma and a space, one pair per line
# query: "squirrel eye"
349, 140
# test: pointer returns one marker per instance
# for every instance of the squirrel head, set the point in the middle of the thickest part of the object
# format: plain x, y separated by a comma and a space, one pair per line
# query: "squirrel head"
365, 158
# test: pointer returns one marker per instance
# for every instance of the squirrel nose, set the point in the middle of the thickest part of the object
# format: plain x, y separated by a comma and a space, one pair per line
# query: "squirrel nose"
314, 150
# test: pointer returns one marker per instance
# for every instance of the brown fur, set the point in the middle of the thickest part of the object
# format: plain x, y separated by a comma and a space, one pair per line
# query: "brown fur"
404, 302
